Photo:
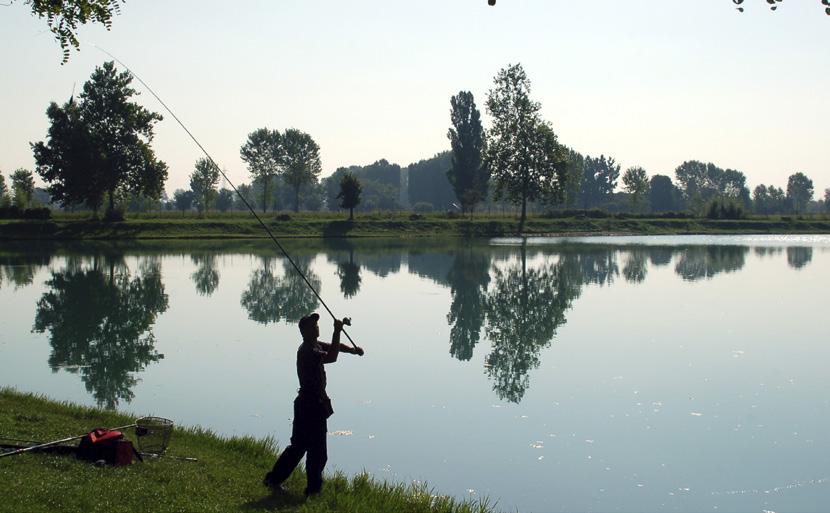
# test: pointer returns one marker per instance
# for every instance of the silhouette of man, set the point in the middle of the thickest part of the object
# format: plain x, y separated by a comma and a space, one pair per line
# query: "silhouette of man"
311, 407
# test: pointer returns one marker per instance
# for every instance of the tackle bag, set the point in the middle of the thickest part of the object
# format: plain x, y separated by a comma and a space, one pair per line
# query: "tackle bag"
108, 445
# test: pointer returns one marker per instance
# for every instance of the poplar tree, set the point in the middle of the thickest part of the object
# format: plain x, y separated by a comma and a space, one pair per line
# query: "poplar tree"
468, 173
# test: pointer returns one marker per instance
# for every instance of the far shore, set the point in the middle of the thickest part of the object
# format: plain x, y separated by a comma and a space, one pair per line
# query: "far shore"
396, 225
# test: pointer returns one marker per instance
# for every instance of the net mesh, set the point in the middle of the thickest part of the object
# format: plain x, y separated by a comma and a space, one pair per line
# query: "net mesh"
153, 434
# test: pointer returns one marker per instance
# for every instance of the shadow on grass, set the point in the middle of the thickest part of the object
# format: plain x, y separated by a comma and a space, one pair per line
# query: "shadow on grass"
338, 228
275, 500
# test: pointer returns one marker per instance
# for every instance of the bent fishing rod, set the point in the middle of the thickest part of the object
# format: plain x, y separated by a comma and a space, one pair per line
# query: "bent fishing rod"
346, 321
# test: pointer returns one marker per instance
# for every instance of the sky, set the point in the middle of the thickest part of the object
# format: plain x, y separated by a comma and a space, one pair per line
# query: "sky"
648, 82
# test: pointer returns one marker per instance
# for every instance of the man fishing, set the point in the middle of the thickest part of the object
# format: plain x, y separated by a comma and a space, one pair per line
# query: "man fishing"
311, 407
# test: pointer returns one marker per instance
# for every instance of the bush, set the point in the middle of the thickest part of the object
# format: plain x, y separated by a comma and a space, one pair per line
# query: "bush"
15, 212
422, 207
720, 208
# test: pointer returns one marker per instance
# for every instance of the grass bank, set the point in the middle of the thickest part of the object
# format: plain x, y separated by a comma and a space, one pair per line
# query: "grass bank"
325, 225
226, 478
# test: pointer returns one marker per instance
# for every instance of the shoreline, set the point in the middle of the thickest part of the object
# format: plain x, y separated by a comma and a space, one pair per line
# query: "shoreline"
404, 226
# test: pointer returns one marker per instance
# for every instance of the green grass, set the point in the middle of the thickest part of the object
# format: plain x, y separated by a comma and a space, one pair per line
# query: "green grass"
226, 478
169, 225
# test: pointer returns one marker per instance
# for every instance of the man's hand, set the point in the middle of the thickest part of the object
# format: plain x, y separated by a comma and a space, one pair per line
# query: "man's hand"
338, 325
358, 351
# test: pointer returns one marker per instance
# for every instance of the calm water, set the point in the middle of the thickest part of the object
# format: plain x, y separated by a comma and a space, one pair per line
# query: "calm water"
681, 374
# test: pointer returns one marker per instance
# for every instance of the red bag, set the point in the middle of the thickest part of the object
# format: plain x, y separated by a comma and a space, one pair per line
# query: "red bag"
107, 445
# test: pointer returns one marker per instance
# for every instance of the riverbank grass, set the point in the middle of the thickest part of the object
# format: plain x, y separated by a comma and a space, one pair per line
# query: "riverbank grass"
398, 224
226, 478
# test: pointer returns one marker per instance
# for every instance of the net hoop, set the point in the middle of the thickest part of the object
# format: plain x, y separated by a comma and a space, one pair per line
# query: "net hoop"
153, 434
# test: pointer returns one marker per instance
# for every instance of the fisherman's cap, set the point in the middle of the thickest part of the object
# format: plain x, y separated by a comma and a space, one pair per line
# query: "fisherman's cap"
308, 321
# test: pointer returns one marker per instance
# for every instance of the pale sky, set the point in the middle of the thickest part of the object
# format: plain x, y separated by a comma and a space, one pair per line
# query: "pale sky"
649, 82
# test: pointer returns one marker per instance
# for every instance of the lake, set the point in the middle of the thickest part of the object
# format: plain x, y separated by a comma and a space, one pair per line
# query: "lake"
606, 374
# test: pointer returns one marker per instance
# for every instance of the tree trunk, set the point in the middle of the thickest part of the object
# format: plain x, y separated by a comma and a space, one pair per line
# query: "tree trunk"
524, 214
265, 194
297, 198
351, 214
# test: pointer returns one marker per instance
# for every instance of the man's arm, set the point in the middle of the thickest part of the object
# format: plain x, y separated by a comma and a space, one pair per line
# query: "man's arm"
333, 349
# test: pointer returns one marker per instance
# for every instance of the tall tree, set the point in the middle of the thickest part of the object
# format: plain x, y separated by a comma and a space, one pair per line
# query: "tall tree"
349, 194
264, 155
4, 191
663, 195
110, 135
301, 161
636, 184
515, 119
799, 191
203, 182
574, 172
23, 186
827, 199
468, 172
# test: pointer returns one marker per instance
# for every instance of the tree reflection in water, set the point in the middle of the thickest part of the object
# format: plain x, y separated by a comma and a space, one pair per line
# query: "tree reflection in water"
271, 298
698, 262
468, 279
20, 270
524, 309
99, 318
349, 274
206, 276
798, 257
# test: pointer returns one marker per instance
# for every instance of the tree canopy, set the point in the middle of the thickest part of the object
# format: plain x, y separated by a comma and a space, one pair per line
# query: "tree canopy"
468, 172
203, 182
101, 145
349, 194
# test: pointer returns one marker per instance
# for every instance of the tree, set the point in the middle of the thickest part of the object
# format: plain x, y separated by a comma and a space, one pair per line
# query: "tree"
468, 172
103, 147
599, 180
183, 199
4, 191
224, 200
64, 16
827, 199
203, 182
663, 195
515, 138
799, 191
636, 184
301, 161
427, 181
23, 186
263, 154
468, 279
349, 195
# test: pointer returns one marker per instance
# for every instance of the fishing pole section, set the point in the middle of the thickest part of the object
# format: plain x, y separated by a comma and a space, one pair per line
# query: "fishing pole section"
346, 320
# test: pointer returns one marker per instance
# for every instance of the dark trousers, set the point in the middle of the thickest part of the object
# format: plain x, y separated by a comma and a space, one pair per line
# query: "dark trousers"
308, 436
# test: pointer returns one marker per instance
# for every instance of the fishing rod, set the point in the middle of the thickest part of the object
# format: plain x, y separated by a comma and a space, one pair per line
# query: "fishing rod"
346, 321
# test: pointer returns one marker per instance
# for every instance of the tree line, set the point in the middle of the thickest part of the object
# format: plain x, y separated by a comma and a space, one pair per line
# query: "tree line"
98, 156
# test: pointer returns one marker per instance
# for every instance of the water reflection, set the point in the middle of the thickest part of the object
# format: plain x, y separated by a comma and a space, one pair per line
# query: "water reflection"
349, 274
798, 257
468, 279
271, 298
99, 314
699, 262
206, 276
19, 270
524, 309
99, 317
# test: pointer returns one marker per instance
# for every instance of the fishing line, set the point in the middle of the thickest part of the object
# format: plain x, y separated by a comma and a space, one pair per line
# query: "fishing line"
267, 230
